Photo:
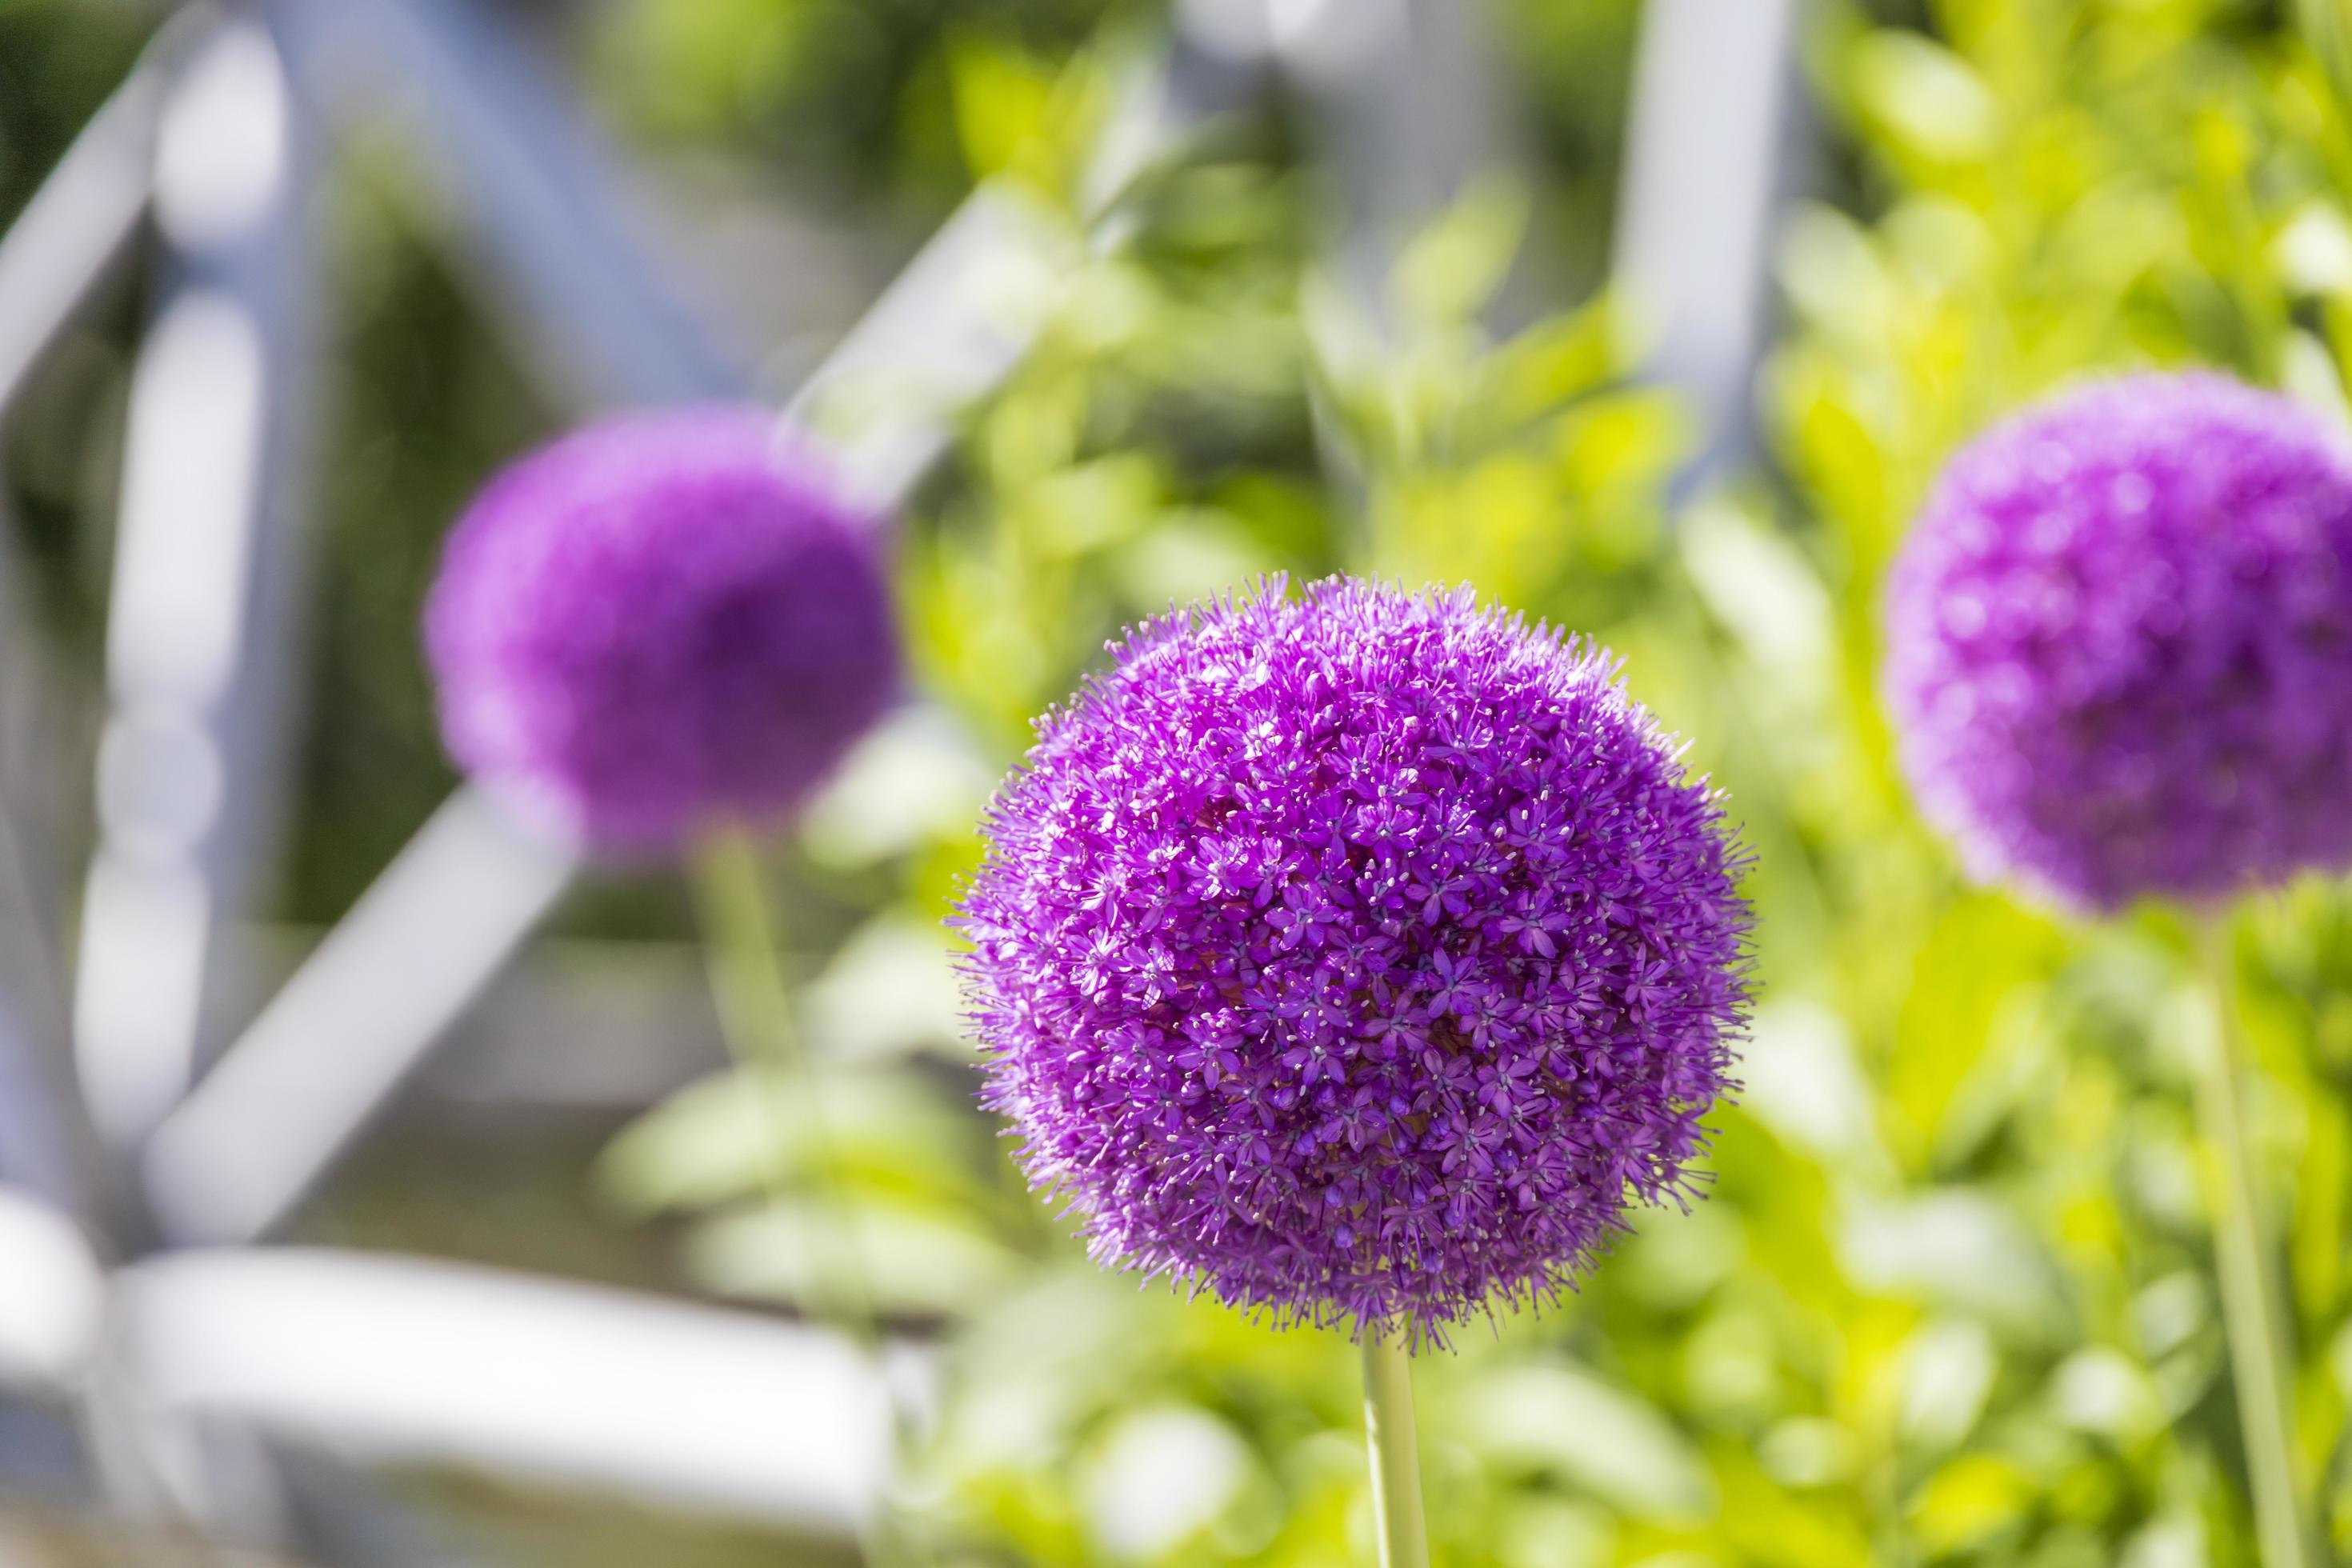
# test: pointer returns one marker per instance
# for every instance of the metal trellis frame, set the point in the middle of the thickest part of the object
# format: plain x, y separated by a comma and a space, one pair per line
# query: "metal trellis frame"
358, 1019
1709, 150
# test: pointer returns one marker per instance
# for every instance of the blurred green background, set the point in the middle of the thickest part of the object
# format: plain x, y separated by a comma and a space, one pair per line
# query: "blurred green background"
1948, 1300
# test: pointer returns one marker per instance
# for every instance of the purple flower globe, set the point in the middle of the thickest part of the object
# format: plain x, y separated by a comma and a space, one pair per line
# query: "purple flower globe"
659, 623
1358, 955
2119, 643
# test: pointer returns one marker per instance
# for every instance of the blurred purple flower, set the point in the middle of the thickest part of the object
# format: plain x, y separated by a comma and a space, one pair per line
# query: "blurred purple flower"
2120, 642
1255, 959
659, 622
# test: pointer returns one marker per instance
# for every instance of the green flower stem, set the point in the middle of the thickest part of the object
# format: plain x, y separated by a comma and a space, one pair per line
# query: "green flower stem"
755, 1013
740, 929
1396, 1453
2253, 1308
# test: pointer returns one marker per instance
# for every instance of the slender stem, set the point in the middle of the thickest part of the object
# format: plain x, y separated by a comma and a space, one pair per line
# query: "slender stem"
755, 1009
2253, 1309
1396, 1453
740, 929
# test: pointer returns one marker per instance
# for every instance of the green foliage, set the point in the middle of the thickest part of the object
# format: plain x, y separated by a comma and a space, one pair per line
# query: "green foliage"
1949, 1301
846, 93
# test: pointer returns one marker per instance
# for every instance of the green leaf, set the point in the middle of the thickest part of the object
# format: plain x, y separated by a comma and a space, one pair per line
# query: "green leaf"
916, 779
809, 1252
742, 1133
891, 989
1544, 1415
1928, 97
1160, 1478
1959, 1249
1550, 363
1969, 1500
1001, 96
1963, 1012
1451, 270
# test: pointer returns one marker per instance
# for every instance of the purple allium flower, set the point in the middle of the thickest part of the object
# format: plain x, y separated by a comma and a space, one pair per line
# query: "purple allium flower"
1358, 955
658, 622
2120, 642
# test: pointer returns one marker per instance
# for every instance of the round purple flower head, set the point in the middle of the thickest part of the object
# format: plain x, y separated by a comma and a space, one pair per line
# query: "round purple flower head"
658, 622
2120, 642
1358, 955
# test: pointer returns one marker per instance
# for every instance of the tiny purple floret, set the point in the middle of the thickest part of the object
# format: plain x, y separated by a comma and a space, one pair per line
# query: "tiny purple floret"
658, 624
2119, 644
1359, 955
